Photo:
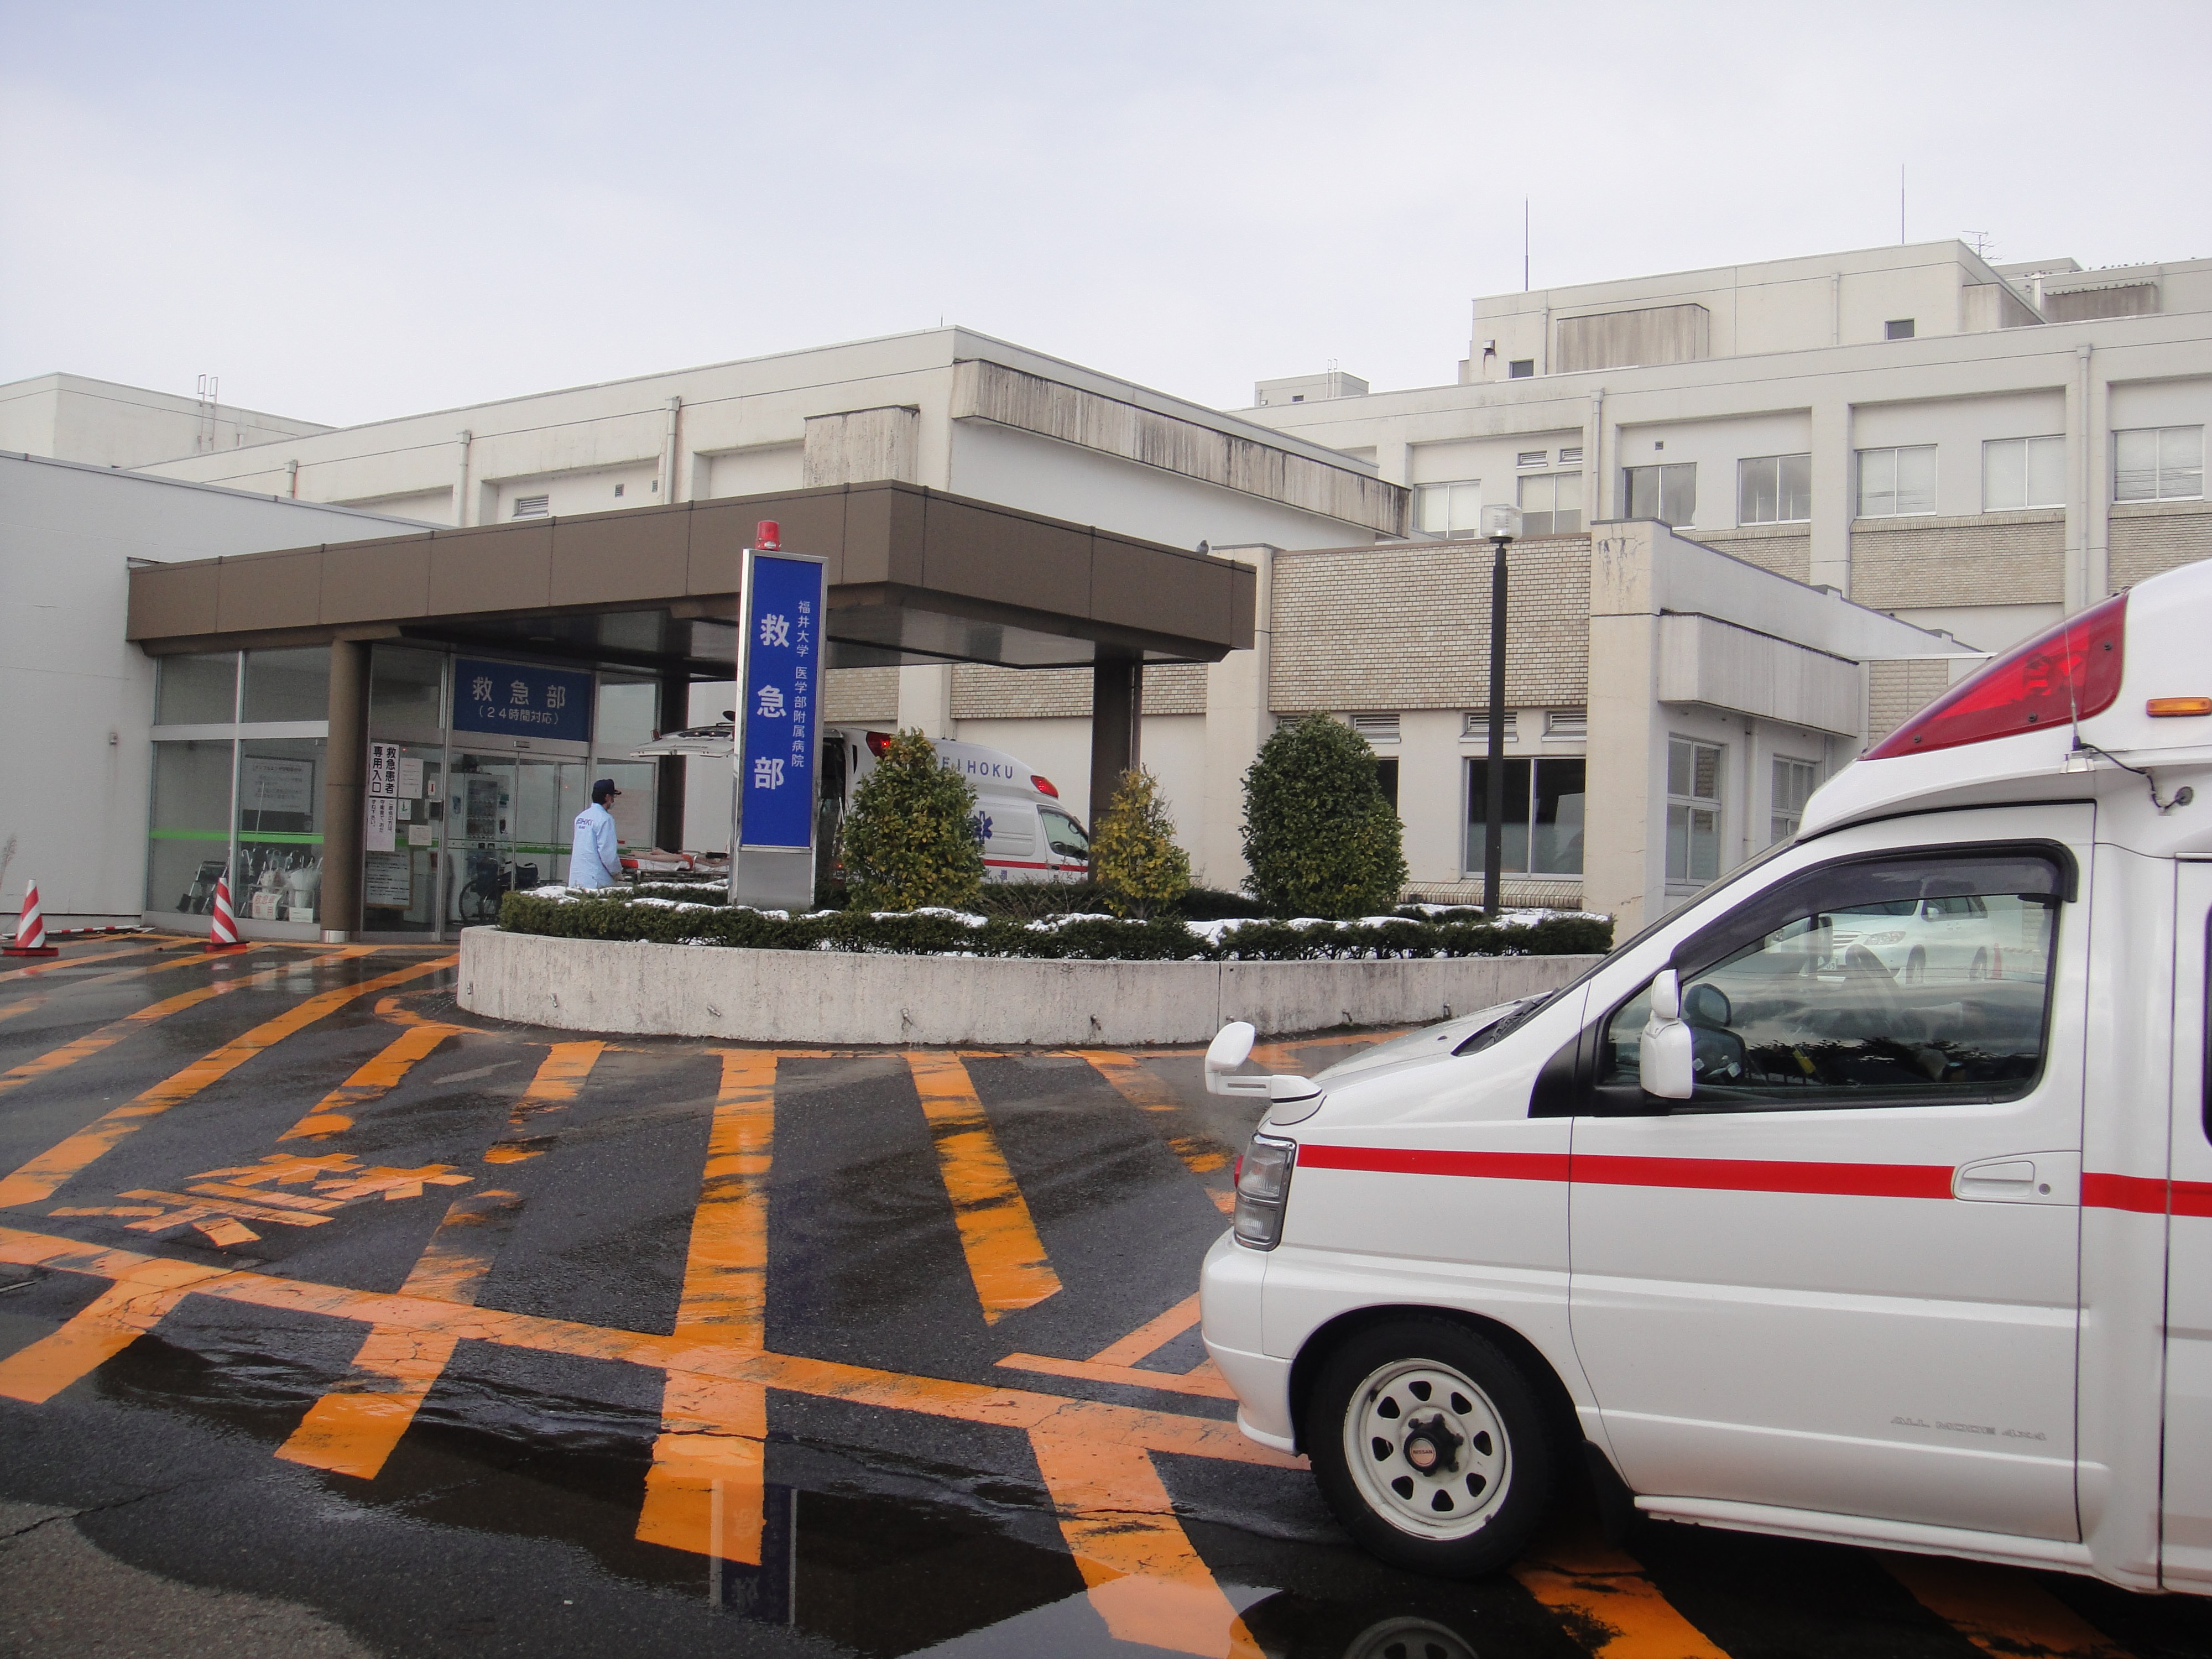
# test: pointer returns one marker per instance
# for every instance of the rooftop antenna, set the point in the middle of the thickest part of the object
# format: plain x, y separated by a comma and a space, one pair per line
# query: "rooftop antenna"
1900, 205
1524, 244
1980, 238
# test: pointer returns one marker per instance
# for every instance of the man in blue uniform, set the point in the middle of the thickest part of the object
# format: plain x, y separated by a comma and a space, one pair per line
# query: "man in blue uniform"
592, 860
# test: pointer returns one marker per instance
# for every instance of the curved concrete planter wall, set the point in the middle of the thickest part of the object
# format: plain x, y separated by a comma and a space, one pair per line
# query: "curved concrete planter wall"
843, 998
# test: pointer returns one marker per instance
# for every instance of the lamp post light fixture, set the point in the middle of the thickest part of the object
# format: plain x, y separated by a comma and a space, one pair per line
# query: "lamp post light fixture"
1501, 525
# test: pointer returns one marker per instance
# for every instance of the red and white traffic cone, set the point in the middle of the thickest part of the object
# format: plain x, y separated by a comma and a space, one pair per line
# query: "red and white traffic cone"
224, 935
30, 929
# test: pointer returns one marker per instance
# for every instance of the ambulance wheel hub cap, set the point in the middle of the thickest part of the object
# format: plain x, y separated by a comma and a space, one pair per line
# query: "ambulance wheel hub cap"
1427, 1450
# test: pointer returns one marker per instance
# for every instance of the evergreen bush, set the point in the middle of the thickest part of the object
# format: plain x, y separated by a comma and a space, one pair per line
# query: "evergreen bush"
910, 840
1139, 869
1320, 837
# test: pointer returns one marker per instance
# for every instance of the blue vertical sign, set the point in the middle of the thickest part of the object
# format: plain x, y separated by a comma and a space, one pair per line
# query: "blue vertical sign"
781, 691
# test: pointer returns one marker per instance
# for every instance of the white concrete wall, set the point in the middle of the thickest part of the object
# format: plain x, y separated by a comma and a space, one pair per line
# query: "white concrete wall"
78, 700
71, 417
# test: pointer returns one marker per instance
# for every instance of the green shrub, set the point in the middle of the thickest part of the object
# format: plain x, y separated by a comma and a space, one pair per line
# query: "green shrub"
1133, 856
910, 839
1319, 836
623, 916
1029, 900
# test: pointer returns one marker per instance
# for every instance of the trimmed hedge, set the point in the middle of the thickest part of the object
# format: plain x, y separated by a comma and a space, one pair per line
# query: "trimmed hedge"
1088, 940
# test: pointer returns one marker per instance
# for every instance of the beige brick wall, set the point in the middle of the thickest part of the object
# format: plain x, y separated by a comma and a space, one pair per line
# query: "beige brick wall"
2146, 540
983, 692
852, 695
1407, 625
1785, 553
2008, 559
1896, 691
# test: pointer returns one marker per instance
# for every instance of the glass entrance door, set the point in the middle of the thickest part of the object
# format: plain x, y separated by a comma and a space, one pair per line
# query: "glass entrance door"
509, 823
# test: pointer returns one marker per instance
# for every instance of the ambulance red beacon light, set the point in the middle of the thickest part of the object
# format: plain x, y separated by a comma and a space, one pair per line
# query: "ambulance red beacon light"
1770, 1222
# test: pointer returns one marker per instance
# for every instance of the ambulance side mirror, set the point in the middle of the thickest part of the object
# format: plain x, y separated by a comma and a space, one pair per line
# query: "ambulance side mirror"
1231, 1047
1664, 1050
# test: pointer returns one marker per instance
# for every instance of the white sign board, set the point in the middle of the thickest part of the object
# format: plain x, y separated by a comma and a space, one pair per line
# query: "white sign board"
380, 823
384, 769
387, 880
410, 778
277, 786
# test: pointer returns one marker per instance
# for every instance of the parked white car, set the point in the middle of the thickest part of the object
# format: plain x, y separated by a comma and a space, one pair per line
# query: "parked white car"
1779, 1229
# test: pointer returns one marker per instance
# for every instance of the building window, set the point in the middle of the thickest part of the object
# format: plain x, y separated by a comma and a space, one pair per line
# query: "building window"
1386, 778
1900, 328
532, 507
1551, 504
1795, 780
1667, 493
1532, 458
1897, 483
1543, 816
1521, 368
2158, 464
1774, 489
1571, 457
1376, 728
618, 491
1567, 723
1448, 509
1693, 811
1478, 725
2023, 472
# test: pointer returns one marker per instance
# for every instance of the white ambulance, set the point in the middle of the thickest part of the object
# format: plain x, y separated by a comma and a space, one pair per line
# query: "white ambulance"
1027, 834
1781, 1229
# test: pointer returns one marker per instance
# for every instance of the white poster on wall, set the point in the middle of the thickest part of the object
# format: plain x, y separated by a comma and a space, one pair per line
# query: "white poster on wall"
410, 778
387, 882
277, 786
380, 824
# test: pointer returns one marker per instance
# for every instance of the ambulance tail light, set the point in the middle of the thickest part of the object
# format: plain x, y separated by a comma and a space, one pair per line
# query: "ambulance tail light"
2068, 674
1043, 786
1263, 1189
878, 742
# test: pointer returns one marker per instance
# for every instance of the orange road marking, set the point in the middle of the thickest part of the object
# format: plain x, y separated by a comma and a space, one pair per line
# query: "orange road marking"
1143, 1088
2001, 1610
353, 1430
828, 1379
1006, 1257
108, 1036
25, 1004
38, 1178
1117, 1362
714, 1430
1204, 1379
119, 1316
1146, 1580
333, 1112
78, 962
1153, 1336
1609, 1602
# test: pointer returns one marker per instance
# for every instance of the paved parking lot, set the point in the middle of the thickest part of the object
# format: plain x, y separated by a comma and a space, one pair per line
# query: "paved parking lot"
333, 1321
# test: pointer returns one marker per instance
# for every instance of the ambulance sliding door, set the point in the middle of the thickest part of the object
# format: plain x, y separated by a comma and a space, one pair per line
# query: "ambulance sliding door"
2185, 1549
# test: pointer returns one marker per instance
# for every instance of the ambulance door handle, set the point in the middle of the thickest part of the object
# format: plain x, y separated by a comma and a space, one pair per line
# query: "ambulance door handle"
2022, 1178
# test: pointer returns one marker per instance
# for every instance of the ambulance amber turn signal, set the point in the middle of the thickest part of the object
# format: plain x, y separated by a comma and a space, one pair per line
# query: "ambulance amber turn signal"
2166, 709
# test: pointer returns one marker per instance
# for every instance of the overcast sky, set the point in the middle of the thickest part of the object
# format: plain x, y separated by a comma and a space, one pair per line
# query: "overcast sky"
358, 211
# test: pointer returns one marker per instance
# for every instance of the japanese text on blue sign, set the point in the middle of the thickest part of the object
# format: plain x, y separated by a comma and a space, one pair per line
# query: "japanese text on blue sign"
517, 700
782, 709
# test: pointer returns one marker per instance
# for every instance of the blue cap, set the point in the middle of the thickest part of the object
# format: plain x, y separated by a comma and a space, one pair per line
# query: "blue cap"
602, 789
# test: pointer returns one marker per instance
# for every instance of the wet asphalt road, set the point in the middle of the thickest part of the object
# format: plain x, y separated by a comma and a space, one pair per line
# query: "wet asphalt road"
333, 1321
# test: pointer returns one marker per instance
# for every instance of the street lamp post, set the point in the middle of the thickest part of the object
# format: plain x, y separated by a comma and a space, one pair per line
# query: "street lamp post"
1501, 525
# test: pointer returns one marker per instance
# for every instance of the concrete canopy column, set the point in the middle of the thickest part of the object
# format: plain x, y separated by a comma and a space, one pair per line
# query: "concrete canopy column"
668, 802
1117, 719
1832, 506
1237, 722
1623, 869
345, 781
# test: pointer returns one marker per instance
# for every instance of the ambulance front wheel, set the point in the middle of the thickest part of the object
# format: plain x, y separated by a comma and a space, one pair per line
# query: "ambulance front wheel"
1431, 1447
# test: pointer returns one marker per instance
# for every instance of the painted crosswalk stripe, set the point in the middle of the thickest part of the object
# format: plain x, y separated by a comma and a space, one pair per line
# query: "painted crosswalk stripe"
1144, 1579
703, 1492
108, 1036
354, 1429
112, 1322
1609, 1602
1143, 1088
1006, 1257
43, 1174
375, 1079
2001, 1610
